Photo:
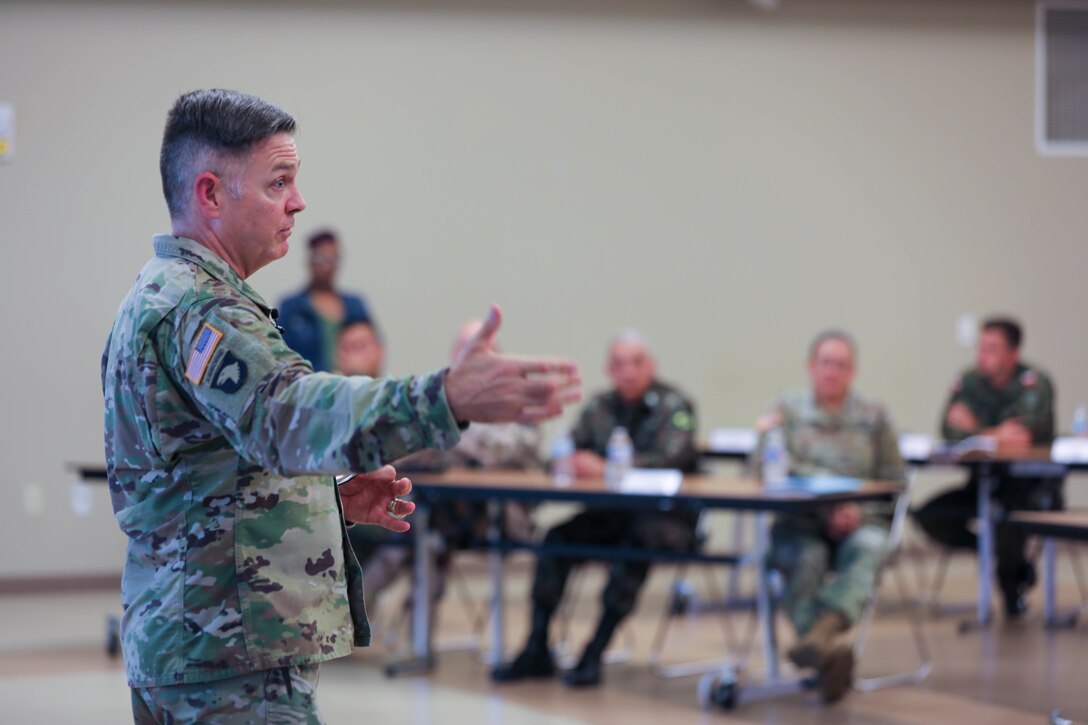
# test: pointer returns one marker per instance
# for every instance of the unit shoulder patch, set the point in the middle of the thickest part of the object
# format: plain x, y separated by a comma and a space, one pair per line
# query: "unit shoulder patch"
231, 374
682, 420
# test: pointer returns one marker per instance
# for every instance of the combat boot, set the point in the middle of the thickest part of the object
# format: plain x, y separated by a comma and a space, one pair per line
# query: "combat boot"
533, 662
587, 673
836, 672
814, 647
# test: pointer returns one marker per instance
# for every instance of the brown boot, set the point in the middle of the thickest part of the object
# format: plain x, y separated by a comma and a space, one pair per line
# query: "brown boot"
837, 672
814, 647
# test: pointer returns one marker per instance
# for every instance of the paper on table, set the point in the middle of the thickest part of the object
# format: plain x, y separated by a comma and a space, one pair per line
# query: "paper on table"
1068, 449
973, 444
652, 481
732, 440
915, 446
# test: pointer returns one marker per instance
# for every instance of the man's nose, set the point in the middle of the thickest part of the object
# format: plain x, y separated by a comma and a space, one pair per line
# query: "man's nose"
298, 203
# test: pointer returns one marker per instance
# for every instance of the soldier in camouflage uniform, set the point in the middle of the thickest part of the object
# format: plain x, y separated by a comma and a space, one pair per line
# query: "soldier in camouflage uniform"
661, 423
829, 557
1014, 402
238, 579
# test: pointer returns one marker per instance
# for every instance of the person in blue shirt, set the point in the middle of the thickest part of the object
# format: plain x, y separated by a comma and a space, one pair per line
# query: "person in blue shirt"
312, 319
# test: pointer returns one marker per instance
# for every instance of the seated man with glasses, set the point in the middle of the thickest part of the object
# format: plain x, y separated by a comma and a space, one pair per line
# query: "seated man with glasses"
829, 558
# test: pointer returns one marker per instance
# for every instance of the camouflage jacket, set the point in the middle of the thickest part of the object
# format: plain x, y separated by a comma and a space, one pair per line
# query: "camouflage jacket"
860, 441
484, 445
1028, 397
661, 426
237, 559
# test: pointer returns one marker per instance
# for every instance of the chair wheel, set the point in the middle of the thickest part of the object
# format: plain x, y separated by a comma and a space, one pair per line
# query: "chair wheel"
718, 690
725, 695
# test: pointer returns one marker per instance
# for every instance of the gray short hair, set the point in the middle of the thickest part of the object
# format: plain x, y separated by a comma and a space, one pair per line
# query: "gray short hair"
832, 334
212, 126
630, 335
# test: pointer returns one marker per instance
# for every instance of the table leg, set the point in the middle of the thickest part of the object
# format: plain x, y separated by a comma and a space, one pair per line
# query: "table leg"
420, 659
1051, 617
495, 557
421, 599
985, 549
763, 599
733, 590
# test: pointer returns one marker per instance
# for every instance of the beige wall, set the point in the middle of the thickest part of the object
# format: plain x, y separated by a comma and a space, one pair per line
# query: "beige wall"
726, 179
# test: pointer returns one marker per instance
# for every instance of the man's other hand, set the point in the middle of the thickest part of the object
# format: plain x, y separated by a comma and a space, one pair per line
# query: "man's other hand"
843, 520
366, 499
960, 416
1012, 435
588, 464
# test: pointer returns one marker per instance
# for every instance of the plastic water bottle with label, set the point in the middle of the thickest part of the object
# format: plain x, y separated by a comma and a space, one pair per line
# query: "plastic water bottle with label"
1080, 421
620, 455
776, 459
563, 460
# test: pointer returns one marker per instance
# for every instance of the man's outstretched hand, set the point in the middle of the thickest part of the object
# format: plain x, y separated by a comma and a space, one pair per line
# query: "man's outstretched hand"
366, 499
486, 387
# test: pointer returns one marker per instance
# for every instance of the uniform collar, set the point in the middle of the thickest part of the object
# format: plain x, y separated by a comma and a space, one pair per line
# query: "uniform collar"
1013, 386
648, 401
814, 410
167, 245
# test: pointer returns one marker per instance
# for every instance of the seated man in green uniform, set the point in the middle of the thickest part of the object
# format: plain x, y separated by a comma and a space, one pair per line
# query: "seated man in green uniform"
221, 442
661, 424
829, 558
1013, 402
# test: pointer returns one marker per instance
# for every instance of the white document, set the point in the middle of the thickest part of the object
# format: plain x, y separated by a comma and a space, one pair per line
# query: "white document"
732, 440
975, 444
1069, 449
652, 481
915, 446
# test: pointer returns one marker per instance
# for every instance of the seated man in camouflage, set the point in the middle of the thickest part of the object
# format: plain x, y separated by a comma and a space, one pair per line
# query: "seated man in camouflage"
829, 558
661, 424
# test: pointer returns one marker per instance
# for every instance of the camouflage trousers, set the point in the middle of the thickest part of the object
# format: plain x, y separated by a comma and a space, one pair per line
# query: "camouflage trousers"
286, 695
820, 575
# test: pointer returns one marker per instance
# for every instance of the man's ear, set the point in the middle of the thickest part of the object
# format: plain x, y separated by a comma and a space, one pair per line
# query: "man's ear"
208, 193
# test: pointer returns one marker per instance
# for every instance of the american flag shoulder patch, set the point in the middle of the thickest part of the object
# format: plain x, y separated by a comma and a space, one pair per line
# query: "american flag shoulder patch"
202, 353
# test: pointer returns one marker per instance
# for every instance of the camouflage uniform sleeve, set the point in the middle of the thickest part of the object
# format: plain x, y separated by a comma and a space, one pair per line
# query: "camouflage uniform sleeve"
494, 445
888, 466
950, 432
674, 440
1036, 409
277, 413
889, 463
